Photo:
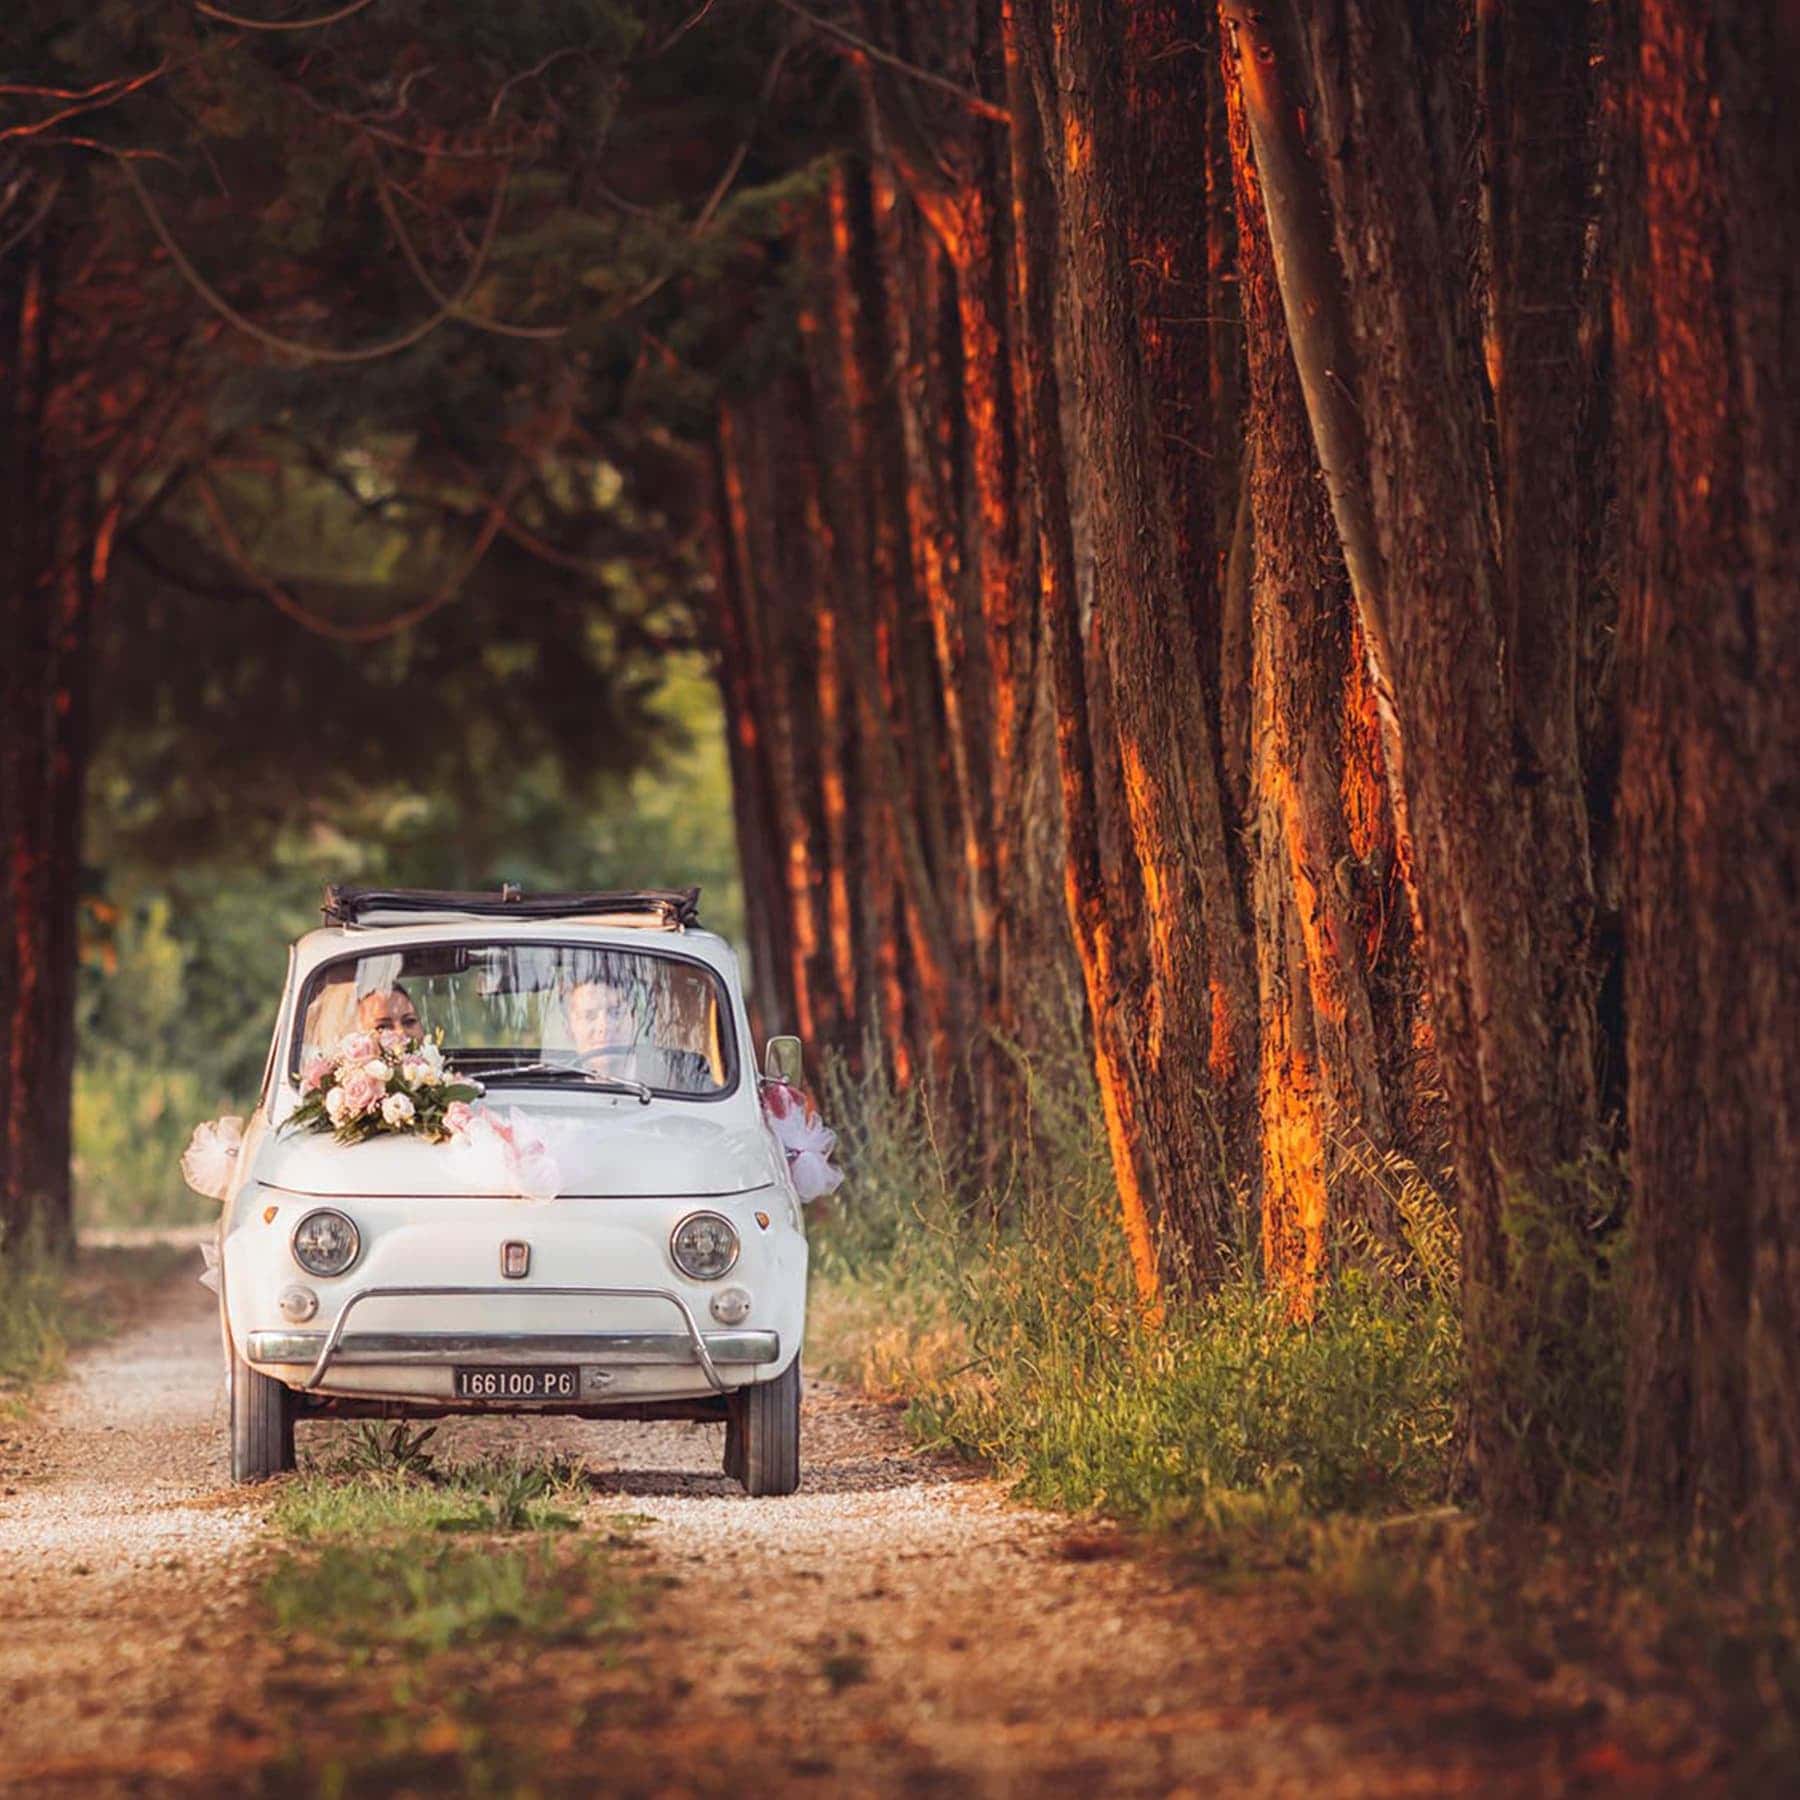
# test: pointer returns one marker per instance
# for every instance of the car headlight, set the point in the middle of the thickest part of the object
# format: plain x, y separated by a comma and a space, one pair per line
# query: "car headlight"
704, 1246
326, 1243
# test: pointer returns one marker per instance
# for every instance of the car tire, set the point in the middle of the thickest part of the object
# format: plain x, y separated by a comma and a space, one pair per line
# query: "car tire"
766, 1416
262, 1423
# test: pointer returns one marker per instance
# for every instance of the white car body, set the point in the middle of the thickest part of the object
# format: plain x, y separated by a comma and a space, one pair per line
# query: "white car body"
641, 1333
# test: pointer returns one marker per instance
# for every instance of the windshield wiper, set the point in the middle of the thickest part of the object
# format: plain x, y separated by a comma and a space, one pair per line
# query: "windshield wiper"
617, 1084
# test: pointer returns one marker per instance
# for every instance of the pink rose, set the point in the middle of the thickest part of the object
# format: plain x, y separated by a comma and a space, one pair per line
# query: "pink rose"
314, 1073
394, 1041
459, 1115
358, 1047
360, 1094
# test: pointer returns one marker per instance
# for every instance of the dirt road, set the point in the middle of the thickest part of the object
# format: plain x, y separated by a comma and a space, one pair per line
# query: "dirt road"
898, 1626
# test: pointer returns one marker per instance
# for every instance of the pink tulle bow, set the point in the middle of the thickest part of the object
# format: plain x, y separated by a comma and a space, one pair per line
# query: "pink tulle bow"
806, 1138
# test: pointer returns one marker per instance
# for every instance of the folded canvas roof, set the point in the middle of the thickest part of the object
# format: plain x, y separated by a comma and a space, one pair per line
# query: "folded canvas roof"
651, 909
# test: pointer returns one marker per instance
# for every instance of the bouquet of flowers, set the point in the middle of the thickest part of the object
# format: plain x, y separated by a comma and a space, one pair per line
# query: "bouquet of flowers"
384, 1081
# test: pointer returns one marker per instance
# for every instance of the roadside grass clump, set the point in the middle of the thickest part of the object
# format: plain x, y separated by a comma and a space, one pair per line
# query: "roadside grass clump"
1004, 1316
51, 1304
33, 1343
361, 1496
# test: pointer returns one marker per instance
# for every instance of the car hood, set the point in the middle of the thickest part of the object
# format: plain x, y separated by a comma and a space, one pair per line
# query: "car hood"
602, 1148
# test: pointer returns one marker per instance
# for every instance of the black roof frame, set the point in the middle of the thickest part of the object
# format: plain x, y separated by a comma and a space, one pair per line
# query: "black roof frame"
347, 905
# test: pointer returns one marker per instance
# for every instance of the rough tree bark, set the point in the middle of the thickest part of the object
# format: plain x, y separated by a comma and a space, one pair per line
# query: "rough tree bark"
1332, 924
54, 559
1710, 627
1198, 1008
1409, 483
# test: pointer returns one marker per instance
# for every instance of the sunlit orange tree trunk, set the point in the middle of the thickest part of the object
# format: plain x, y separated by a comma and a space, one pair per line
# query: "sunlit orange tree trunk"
1342, 1070
1169, 978
1710, 633
944, 214
1388, 353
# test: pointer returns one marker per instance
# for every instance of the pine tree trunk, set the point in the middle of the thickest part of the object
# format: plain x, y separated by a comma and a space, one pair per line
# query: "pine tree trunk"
1198, 1011
1710, 629
1410, 488
48, 573
752, 782
1102, 932
1331, 916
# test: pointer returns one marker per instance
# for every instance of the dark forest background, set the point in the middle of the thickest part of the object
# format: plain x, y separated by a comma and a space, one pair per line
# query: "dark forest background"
1248, 556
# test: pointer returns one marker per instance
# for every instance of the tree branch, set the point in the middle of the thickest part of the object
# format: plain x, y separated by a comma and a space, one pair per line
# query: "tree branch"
87, 103
292, 346
454, 308
243, 24
863, 47
335, 629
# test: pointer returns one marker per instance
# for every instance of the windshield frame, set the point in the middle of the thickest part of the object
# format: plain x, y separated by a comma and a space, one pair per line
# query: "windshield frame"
381, 944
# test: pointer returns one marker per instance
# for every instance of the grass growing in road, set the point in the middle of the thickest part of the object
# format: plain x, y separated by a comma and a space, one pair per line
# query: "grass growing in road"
434, 1615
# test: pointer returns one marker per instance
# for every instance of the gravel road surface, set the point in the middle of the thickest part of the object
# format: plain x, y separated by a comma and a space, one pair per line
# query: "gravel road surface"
898, 1626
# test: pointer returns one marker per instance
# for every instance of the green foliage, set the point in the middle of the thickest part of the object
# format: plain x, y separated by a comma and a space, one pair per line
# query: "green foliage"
1009, 1324
393, 1448
33, 1326
50, 1306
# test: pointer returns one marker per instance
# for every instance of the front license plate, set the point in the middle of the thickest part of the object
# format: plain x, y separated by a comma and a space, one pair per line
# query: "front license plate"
517, 1384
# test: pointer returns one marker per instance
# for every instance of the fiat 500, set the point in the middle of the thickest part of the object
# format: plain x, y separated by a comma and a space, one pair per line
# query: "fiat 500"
663, 1277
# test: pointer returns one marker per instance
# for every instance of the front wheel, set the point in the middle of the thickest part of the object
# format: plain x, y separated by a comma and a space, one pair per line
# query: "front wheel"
763, 1431
262, 1422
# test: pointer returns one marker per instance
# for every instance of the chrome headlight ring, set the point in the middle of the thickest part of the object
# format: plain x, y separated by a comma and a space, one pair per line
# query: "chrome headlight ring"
704, 1246
326, 1242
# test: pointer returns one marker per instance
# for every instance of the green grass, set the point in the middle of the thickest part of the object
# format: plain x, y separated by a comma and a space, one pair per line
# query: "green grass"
1006, 1321
436, 1595
437, 1619
51, 1305
492, 1498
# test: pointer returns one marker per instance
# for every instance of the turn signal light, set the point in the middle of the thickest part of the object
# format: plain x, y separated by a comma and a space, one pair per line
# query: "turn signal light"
515, 1260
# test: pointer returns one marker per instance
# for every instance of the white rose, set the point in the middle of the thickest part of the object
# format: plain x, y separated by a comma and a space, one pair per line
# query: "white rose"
334, 1105
376, 1069
396, 1109
430, 1053
418, 1072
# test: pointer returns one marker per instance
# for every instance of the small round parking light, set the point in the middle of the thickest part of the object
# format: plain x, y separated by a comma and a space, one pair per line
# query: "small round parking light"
298, 1304
325, 1242
704, 1246
731, 1306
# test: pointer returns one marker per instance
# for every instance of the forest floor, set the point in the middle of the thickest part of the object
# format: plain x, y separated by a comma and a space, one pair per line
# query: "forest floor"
899, 1626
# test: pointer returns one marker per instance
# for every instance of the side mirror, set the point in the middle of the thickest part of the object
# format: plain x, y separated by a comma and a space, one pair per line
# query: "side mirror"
783, 1061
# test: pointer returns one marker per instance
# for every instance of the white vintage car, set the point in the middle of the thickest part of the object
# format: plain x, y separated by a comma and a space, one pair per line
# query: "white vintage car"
398, 1277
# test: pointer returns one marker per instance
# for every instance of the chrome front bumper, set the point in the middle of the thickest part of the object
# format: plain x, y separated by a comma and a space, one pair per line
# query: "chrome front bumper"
690, 1345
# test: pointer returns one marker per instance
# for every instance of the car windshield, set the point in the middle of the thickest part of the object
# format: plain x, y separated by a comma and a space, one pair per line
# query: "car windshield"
545, 1014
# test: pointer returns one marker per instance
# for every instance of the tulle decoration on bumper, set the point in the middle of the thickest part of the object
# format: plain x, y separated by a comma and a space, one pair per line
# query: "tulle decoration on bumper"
806, 1138
210, 1160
